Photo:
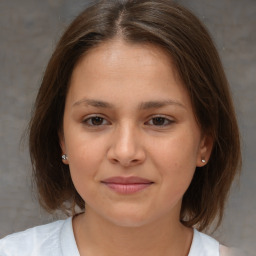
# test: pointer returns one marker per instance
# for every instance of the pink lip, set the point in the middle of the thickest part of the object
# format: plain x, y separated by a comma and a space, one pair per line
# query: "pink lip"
127, 185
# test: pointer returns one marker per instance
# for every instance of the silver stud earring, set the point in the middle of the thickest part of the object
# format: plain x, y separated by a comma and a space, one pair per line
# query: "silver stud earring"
203, 161
64, 157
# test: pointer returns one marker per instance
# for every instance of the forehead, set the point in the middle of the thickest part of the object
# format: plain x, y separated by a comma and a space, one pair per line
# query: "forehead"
117, 67
118, 54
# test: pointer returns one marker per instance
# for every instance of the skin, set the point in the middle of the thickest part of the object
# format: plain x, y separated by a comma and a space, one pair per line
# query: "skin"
123, 137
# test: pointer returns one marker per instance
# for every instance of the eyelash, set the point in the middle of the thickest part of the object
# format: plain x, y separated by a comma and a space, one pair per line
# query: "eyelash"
166, 121
89, 121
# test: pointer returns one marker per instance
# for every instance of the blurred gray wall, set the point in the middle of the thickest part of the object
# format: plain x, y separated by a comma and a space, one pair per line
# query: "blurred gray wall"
29, 29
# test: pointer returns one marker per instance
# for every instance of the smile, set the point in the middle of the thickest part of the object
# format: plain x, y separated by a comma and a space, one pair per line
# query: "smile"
127, 185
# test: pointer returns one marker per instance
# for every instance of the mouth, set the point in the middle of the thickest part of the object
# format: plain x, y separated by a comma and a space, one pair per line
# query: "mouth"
127, 185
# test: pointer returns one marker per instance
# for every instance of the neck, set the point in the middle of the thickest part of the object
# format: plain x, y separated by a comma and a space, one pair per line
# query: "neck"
97, 236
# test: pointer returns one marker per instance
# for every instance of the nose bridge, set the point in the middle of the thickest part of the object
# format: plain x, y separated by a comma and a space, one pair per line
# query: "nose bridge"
125, 139
125, 146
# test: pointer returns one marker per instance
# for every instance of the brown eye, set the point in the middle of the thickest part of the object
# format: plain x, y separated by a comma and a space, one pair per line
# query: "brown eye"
159, 121
95, 121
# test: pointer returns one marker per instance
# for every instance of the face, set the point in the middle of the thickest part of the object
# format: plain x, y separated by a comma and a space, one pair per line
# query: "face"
130, 134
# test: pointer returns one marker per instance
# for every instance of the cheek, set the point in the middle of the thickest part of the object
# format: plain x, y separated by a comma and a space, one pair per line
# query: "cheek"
85, 158
84, 149
177, 152
176, 161
176, 170
83, 167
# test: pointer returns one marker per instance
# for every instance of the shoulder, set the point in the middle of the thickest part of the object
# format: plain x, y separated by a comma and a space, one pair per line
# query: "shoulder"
204, 245
226, 251
39, 240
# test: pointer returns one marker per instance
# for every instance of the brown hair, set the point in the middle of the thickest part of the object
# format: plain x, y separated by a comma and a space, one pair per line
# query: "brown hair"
182, 35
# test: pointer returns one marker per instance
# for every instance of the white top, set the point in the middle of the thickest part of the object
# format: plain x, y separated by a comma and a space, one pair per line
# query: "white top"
57, 239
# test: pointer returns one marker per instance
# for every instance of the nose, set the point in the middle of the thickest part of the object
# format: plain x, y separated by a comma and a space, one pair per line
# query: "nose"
126, 147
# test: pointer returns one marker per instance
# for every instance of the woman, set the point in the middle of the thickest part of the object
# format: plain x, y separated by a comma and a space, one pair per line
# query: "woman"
133, 135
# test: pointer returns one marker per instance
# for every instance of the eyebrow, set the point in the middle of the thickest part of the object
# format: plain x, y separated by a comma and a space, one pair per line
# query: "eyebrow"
94, 103
142, 106
160, 104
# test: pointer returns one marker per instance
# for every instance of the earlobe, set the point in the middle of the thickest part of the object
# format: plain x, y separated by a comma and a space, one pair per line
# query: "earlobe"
63, 148
204, 151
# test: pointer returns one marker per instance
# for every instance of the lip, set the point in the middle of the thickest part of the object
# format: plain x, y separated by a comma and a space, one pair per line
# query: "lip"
127, 185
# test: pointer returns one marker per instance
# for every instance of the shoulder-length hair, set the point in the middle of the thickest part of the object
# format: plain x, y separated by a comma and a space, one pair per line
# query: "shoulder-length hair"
177, 31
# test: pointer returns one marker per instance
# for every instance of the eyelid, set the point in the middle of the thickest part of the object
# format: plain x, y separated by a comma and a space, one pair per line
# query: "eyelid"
89, 117
167, 118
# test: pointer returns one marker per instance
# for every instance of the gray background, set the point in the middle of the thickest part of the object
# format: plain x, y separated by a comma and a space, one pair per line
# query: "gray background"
28, 32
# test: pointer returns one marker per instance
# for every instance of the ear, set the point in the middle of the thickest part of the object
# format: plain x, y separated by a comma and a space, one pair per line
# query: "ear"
205, 150
62, 146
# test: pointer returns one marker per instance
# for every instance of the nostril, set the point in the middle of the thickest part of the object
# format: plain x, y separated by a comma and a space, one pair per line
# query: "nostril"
115, 160
126, 163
